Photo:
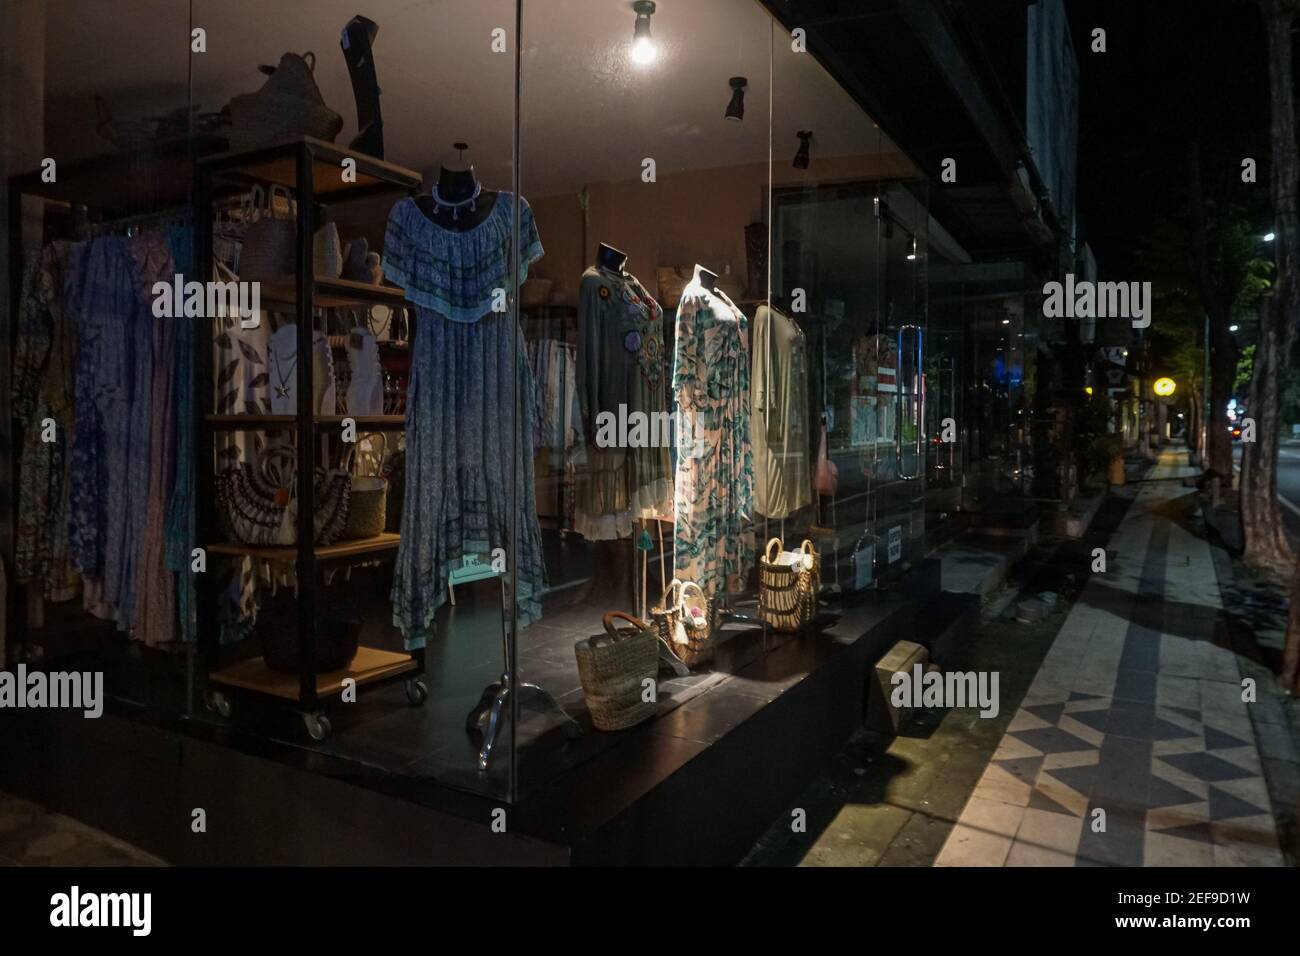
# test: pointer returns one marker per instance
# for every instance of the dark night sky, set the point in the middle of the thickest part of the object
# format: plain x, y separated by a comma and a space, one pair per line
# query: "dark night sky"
1173, 70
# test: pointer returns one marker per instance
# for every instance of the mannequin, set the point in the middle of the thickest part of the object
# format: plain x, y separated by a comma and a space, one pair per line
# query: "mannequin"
607, 257
705, 278
458, 202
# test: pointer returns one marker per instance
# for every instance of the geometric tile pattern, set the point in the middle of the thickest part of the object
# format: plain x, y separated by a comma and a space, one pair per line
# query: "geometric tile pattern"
1135, 711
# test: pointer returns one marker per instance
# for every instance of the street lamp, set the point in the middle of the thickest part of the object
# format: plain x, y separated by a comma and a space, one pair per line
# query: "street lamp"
1164, 387
1269, 236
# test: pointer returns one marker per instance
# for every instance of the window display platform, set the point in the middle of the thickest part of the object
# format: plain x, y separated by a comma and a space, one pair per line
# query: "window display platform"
695, 784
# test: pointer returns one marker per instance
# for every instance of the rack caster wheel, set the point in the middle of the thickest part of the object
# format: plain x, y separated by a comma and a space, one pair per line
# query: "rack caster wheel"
416, 692
318, 725
218, 703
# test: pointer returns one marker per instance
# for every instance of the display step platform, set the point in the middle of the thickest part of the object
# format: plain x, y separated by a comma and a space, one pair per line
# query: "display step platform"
695, 786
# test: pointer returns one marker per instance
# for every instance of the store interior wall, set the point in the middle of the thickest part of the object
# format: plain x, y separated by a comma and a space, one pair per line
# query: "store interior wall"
620, 212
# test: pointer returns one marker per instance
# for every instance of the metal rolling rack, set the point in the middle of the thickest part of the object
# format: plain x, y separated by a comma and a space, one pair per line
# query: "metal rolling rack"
313, 171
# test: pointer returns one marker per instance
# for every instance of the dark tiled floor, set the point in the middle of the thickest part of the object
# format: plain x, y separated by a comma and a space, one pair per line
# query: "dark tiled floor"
30, 835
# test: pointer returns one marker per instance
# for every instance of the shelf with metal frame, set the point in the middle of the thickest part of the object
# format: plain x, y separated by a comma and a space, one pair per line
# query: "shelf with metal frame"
314, 171
324, 423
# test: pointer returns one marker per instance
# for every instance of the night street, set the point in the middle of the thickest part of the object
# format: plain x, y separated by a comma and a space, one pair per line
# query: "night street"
1128, 701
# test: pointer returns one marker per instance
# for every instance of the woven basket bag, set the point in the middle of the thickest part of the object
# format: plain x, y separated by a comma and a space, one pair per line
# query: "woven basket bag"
788, 583
368, 498
289, 105
686, 621
613, 668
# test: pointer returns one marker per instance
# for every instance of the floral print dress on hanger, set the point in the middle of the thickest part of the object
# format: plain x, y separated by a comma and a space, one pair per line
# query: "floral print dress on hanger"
713, 544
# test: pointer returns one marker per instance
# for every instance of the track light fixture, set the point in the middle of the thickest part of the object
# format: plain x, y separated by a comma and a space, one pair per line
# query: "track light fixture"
801, 157
736, 108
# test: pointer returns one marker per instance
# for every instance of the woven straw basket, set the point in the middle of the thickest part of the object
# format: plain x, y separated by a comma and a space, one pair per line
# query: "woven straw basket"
368, 501
288, 105
686, 604
788, 583
613, 668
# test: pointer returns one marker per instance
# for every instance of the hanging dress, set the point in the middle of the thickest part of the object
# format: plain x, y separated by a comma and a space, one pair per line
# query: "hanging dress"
713, 544
621, 376
469, 413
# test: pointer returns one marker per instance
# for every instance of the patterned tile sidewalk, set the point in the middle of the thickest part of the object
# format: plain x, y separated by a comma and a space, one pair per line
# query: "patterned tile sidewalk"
1137, 710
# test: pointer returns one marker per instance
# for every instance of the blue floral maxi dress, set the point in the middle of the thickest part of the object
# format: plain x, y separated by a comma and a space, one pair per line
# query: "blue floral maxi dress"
466, 438
713, 544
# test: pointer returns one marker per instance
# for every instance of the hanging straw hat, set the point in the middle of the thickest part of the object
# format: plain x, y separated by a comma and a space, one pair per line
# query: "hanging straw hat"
288, 105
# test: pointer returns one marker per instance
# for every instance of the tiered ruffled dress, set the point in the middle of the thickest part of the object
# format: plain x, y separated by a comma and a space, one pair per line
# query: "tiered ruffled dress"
470, 410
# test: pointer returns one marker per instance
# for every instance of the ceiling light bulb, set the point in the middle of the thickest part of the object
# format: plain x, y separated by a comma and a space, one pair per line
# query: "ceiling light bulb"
643, 47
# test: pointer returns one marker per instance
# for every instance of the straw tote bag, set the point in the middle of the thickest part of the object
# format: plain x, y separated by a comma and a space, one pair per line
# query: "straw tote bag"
685, 620
613, 668
269, 243
788, 582
368, 494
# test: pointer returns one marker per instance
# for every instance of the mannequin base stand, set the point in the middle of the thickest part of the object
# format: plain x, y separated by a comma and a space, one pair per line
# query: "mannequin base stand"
494, 703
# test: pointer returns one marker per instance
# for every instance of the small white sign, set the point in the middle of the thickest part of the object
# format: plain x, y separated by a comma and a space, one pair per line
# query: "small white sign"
895, 543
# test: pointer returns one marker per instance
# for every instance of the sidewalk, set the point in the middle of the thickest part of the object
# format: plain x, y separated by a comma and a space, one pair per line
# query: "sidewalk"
31, 835
1136, 711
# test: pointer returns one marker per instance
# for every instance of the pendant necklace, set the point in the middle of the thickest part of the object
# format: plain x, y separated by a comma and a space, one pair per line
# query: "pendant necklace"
282, 390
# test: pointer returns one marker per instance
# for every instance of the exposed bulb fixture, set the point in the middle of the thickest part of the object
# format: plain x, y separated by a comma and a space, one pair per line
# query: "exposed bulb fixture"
736, 108
1233, 328
801, 157
643, 47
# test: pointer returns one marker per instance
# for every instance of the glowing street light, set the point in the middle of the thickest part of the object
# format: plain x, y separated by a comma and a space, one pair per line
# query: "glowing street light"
1164, 387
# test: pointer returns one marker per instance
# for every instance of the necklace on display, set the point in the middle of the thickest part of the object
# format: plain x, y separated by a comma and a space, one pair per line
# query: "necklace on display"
383, 329
455, 207
282, 390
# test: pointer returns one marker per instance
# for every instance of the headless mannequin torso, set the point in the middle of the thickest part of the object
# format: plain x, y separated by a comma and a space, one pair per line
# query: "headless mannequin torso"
704, 277
607, 257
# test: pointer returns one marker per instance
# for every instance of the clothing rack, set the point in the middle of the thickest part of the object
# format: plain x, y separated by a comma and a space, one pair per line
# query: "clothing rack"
75, 193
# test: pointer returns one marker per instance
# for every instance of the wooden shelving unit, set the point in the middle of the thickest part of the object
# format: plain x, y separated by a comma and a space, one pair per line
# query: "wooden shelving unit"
314, 172
370, 665
323, 423
354, 548
332, 293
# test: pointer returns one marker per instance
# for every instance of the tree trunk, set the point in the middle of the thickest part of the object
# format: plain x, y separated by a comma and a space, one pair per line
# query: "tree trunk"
1290, 676
1263, 533
1223, 370
1194, 438
1279, 18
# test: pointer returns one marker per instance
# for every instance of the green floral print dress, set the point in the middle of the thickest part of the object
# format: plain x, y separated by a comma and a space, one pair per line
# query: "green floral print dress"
713, 543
